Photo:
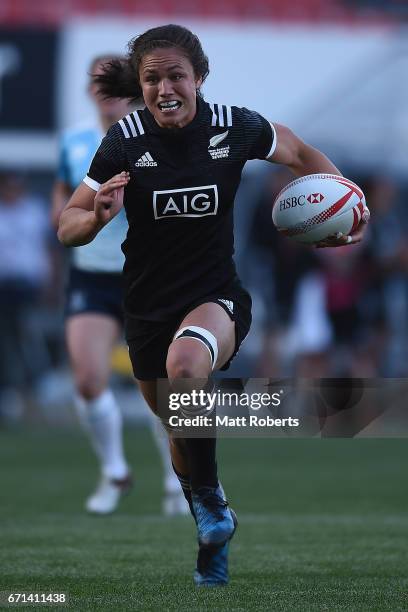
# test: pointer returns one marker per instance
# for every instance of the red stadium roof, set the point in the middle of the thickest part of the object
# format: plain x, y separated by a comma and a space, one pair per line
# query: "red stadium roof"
52, 12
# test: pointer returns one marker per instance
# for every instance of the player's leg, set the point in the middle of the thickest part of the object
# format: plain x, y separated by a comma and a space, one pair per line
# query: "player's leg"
173, 502
147, 345
174, 461
205, 341
90, 339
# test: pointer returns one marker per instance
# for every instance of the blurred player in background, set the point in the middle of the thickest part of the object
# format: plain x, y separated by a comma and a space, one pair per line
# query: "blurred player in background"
94, 318
27, 265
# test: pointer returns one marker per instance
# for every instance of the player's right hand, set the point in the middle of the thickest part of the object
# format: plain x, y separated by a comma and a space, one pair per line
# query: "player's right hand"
109, 198
338, 240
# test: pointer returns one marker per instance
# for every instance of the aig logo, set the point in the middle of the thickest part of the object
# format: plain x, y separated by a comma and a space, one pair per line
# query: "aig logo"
188, 202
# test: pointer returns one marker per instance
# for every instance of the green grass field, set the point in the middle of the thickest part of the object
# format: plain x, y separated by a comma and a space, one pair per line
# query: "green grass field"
323, 526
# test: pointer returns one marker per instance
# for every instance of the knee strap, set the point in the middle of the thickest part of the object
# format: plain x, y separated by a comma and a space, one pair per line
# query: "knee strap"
203, 336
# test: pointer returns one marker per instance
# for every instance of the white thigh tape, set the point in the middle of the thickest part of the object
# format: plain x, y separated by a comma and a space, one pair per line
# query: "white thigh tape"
203, 336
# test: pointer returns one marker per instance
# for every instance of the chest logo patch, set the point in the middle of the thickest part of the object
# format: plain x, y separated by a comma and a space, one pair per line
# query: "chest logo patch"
145, 161
188, 202
214, 142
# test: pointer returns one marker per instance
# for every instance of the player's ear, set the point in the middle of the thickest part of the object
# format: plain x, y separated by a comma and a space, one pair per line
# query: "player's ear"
198, 83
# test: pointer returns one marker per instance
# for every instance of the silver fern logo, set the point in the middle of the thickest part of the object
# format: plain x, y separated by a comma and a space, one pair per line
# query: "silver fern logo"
215, 140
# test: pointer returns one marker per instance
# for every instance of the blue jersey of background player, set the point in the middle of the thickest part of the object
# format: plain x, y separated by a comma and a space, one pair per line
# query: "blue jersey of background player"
77, 148
94, 319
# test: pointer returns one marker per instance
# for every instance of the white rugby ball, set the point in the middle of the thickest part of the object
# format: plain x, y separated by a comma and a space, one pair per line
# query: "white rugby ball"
315, 206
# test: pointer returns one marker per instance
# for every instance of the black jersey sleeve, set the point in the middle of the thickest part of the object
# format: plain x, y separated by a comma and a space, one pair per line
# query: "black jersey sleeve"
258, 132
110, 157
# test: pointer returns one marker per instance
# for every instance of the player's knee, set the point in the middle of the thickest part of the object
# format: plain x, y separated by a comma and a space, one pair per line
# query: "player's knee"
184, 363
90, 385
192, 354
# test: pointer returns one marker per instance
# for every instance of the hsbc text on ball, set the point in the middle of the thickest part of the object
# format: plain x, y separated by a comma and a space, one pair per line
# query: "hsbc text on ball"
292, 202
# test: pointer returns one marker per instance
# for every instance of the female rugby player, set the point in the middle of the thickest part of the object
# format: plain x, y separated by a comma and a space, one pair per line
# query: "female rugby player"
175, 166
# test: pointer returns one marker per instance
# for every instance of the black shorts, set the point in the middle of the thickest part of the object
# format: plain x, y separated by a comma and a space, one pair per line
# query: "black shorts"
94, 292
149, 341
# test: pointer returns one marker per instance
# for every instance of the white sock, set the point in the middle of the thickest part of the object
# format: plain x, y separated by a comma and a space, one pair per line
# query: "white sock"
171, 483
102, 419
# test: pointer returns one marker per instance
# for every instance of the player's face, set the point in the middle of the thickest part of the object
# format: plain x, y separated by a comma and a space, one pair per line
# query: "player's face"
169, 87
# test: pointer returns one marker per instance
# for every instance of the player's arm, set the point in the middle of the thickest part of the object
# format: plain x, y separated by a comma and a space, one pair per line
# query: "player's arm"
61, 192
298, 156
87, 212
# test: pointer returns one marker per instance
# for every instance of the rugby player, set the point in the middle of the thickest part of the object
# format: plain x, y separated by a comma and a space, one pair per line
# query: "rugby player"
176, 166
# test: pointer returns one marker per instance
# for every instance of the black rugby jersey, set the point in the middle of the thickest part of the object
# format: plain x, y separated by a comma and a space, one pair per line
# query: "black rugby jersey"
179, 201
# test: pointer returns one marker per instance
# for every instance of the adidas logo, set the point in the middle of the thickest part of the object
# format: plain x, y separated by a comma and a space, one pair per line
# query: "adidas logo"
145, 160
228, 304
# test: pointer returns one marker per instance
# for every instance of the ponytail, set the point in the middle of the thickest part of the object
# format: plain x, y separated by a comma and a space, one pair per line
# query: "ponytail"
118, 80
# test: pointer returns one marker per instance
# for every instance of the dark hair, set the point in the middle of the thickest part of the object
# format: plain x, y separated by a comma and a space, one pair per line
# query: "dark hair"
120, 78
103, 59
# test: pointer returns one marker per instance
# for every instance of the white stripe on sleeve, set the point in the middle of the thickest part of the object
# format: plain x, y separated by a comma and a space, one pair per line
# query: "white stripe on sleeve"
124, 128
138, 122
131, 125
214, 116
220, 115
91, 183
274, 142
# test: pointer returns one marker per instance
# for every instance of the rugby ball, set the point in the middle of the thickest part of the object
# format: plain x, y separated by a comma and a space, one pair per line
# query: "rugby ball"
315, 206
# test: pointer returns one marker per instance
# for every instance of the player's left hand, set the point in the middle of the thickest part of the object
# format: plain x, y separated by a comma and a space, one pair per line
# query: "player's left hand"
339, 240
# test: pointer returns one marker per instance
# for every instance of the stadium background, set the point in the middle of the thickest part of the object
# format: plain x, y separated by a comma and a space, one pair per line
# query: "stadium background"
318, 516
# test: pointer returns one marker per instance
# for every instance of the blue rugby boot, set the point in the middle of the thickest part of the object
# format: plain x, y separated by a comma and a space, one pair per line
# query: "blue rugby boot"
215, 522
212, 564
